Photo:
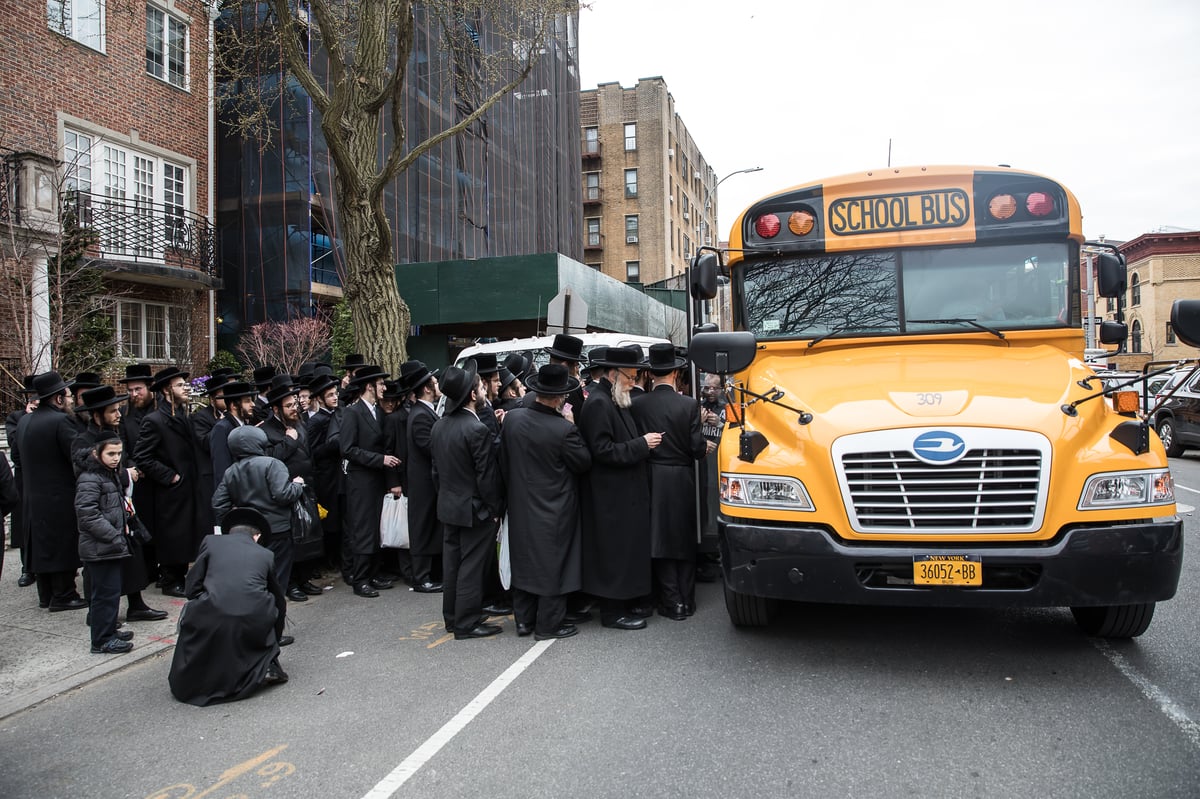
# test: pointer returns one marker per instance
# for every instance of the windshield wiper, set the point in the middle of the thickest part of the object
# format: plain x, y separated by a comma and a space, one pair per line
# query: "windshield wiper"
970, 322
824, 336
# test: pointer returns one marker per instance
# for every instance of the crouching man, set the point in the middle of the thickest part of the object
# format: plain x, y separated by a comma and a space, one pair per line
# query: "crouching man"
229, 631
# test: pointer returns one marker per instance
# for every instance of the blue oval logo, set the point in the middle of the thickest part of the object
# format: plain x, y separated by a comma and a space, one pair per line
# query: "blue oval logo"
939, 446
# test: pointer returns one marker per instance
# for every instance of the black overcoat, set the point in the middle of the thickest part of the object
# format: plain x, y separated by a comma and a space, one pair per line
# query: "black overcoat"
20, 531
134, 574
672, 469
395, 435
43, 456
541, 458
362, 445
229, 630
469, 488
424, 532
203, 420
130, 429
324, 442
180, 516
615, 501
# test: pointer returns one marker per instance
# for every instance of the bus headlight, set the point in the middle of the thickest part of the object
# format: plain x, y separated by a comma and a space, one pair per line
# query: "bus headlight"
1128, 490
764, 491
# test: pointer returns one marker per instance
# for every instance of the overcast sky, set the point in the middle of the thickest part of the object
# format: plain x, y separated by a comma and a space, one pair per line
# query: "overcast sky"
1102, 96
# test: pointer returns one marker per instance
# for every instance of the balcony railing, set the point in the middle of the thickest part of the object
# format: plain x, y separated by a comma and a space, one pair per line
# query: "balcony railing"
591, 149
592, 194
142, 232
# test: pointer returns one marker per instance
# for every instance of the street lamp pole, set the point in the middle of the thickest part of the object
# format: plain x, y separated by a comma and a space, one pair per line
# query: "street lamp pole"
694, 306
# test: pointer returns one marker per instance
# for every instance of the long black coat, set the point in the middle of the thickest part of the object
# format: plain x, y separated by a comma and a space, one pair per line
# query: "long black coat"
615, 501
229, 630
294, 452
361, 441
43, 456
395, 436
541, 458
180, 515
424, 532
324, 442
130, 430
20, 532
203, 421
469, 488
672, 469
134, 575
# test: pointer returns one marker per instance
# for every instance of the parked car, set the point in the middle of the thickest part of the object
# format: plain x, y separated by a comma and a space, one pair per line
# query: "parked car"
1178, 419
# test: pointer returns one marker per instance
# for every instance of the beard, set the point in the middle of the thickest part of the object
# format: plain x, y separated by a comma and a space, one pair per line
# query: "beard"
621, 395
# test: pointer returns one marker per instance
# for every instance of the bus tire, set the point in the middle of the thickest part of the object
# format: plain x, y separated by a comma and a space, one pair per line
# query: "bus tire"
1166, 431
746, 610
1115, 621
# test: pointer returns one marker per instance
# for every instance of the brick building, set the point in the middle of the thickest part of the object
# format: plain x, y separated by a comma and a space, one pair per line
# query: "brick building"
105, 118
649, 195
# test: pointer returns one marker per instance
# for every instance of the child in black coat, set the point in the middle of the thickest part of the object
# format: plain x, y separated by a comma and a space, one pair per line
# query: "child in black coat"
103, 518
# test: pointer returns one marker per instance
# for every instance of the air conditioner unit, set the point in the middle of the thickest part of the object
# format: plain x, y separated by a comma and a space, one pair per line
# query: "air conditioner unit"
631, 239
670, 152
685, 216
671, 198
696, 175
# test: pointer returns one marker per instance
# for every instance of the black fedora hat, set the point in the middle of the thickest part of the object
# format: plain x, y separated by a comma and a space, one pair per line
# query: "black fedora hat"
486, 364
663, 359
507, 378
321, 368
595, 356
392, 390
99, 398
263, 376
458, 383
552, 379
368, 373
413, 375
620, 358
280, 388
321, 383
519, 363
138, 373
164, 376
86, 380
27, 385
355, 360
247, 517
224, 371
306, 371
49, 384
237, 389
566, 348
216, 382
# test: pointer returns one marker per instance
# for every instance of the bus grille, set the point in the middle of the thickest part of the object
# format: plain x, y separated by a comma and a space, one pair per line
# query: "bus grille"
994, 490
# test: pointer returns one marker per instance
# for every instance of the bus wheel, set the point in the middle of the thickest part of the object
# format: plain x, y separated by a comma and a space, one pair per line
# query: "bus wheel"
1166, 431
1115, 621
746, 610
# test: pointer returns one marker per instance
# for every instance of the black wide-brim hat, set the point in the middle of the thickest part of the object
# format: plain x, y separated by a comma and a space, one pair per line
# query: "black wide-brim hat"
263, 375
663, 359
164, 376
458, 383
216, 382
49, 384
486, 364
99, 398
238, 389
552, 379
137, 373
519, 364
85, 380
621, 358
368, 373
566, 348
392, 390
507, 378
249, 517
281, 387
322, 383
355, 360
27, 385
413, 375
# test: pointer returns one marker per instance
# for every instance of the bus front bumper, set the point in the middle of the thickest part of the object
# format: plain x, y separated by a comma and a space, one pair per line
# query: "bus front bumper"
1121, 564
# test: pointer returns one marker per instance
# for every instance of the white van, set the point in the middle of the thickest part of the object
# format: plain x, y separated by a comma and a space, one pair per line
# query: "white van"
537, 345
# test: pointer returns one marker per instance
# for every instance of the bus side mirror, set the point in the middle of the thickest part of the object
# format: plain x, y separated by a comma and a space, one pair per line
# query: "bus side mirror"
1185, 321
705, 268
1113, 332
723, 353
1110, 275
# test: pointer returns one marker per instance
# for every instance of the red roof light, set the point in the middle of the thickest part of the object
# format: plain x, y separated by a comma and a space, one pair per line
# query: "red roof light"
767, 226
1039, 203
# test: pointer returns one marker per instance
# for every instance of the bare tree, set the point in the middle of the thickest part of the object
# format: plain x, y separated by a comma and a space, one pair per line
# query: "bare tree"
351, 59
285, 345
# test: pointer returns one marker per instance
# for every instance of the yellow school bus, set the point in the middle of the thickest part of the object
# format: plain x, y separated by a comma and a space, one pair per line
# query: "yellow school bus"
910, 418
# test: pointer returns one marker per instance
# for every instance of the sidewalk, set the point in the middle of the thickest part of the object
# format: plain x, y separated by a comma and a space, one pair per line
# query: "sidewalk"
43, 654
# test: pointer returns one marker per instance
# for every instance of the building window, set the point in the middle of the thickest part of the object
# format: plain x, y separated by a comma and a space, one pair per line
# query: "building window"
593, 232
633, 271
630, 182
166, 47
77, 155
594, 266
151, 331
630, 135
683, 165
1135, 293
82, 20
1135, 337
631, 229
1110, 305
591, 140
591, 189
1170, 337
687, 247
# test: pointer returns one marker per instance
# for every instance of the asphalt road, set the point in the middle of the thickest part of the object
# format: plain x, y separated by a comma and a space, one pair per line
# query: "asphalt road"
827, 702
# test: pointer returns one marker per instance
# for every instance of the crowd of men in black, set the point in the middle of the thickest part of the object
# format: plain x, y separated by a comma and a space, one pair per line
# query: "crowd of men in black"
593, 475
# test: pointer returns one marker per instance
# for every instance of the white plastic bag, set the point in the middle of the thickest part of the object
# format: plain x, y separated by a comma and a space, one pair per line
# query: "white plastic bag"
393, 522
505, 563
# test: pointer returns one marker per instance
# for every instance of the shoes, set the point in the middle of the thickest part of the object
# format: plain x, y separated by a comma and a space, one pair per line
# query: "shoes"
479, 631
287, 640
428, 587
310, 589
275, 674
26, 579
70, 604
675, 612
498, 610
382, 583
566, 631
577, 616
624, 623
124, 635
175, 589
113, 646
524, 629
145, 614
296, 595
365, 589
690, 608
641, 611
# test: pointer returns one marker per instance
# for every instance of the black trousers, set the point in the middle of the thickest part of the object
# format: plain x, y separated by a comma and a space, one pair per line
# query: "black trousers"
464, 553
105, 587
360, 569
56, 588
425, 568
280, 543
545, 613
676, 581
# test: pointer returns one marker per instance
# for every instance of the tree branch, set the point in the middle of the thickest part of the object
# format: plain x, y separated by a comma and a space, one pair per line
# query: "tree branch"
295, 58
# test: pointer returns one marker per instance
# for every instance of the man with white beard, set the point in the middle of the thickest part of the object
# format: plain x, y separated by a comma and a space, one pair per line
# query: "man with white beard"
615, 497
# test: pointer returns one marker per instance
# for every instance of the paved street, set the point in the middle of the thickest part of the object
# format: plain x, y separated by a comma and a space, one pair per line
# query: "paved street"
829, 701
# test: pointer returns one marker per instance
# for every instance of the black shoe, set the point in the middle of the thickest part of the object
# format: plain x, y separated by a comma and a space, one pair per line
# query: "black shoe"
175, 589
71, 604
480, 631
365, 589
497, 610
296, 595
566, 631
310, 589
428, 587
275, 674
641, 611
524, 629
690, 608
624, 623
113, 646
145, 614
382, 583
124, 635
287, 640
577, 616
674, 612
26, 579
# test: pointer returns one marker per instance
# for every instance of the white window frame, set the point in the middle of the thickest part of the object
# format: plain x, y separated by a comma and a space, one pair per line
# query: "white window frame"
141, 348
65, 17
592, 228
633, 271
631, 190
632, 232
591, 185
630, 136
168, 21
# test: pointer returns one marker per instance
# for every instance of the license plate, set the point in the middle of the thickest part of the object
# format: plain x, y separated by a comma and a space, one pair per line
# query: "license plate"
955, 570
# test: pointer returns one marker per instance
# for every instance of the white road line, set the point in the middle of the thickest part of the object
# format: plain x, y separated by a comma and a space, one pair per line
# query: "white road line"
411, 764
1166, 704
1185, 488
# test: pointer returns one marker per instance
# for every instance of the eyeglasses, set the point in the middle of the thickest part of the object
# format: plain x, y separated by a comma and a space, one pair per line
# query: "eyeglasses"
628, 376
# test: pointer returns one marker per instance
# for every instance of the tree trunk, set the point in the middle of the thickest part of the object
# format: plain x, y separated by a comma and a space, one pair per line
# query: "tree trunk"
381, 317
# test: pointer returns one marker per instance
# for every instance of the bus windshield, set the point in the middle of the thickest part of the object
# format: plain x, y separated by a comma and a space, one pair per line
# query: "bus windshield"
944, 289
